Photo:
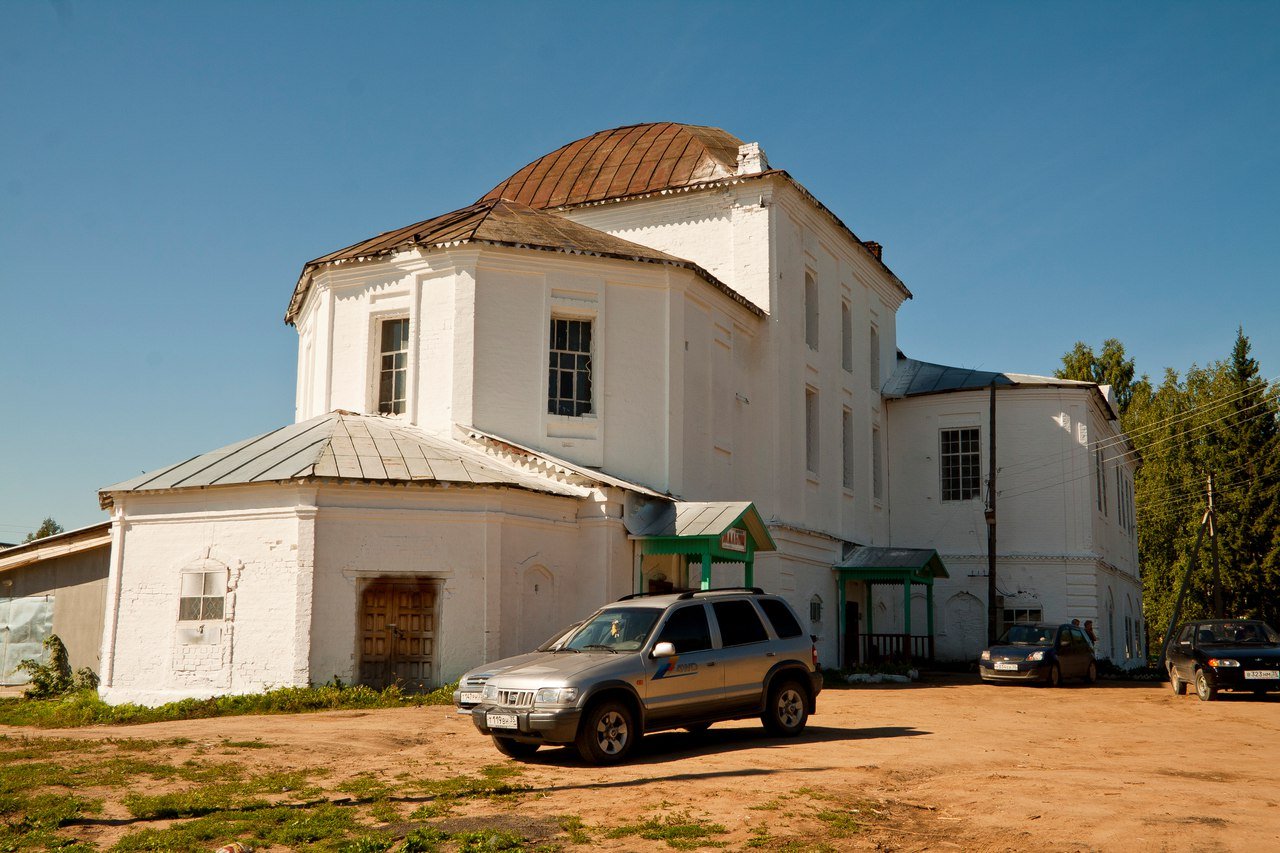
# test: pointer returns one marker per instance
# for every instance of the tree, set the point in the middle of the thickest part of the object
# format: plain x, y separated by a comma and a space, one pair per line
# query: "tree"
48, 527
1110, 367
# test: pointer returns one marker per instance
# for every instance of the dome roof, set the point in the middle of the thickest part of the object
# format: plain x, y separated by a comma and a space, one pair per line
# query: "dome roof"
624, 161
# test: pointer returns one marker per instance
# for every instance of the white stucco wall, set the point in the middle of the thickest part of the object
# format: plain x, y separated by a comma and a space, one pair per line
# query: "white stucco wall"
1056, 550
255, 536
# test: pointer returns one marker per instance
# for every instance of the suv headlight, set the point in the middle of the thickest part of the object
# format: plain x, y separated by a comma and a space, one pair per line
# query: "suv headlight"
1036, 656
556, 696
1217, 662
489, 693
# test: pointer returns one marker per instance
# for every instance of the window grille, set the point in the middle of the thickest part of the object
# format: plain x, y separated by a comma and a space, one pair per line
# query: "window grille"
961, 464
569, 371
203, 596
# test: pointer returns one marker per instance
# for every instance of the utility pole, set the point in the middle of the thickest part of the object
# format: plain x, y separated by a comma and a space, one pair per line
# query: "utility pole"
1213, 551
990, 515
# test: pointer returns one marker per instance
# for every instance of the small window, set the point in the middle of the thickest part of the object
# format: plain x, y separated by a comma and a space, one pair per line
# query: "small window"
687, 630
569, 371
846, 434
739, 624
846, 337
1023, 614
811, 430
815, 610
810, 311
960, 463
780, 617
203, 596
393, 371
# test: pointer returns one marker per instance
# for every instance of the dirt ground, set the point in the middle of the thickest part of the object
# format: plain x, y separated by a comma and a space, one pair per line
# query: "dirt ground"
949, 763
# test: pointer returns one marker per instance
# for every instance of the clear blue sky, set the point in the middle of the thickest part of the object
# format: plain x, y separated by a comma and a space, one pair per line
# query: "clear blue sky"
1038, 173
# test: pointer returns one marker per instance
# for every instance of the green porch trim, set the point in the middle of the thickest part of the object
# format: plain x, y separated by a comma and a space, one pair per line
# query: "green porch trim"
880, 566
698, 531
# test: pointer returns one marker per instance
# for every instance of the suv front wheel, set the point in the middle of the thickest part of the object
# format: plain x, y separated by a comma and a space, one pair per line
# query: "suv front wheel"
607, 734
787, 709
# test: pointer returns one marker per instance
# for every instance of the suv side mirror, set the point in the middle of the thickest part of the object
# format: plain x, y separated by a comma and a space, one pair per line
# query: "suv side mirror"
664, 650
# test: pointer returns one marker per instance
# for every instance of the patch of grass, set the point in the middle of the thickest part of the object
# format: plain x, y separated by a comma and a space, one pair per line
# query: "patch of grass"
840, 824
762, 840
367, 844
365, 787
237, 796
573, 826
30, 822
431, 839
283, 826
384, 811
84, 708
492, 781
679, 830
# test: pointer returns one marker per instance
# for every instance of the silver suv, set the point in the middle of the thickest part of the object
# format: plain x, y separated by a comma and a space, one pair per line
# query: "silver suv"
647, 663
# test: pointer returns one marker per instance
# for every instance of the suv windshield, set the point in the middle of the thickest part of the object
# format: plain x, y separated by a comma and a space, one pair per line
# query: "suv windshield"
1023, 635
618, 629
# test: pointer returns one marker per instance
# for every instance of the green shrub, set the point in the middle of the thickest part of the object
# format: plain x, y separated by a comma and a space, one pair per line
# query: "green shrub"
55, 678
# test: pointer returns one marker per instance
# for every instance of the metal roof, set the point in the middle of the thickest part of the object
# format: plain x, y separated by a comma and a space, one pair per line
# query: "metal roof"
343, 446
869, 559
545, 461
58, 545
700, 518
623, 161
502, 222
912, 377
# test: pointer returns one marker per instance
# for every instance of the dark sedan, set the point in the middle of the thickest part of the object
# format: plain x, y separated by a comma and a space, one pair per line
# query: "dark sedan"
1224, 654
1040, 653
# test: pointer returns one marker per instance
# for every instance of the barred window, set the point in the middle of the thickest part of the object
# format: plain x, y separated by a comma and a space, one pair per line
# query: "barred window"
203, 595
394, 368
960, 462
569, 374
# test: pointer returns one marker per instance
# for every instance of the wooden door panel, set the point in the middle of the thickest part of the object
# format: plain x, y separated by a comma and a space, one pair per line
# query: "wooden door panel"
397, 627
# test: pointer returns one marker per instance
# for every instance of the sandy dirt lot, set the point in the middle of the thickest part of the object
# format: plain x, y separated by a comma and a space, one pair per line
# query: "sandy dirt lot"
945, 764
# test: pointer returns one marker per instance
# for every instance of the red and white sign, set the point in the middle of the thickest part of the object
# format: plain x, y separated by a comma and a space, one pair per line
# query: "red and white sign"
734, 539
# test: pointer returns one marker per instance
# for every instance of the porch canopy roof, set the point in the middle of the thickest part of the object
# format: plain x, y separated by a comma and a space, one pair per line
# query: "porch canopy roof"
892, 565
702, 527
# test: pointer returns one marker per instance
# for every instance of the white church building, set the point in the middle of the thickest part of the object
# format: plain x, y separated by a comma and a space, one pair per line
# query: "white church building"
645, 361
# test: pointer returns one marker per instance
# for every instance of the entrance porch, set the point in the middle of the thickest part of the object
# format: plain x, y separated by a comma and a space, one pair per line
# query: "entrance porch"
873, 567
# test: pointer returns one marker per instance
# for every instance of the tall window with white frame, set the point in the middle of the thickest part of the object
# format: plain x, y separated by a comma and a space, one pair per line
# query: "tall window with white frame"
811, 430
1101, 462
846, 434
960, 463
569, 368
393, 370
810, 311
846, 337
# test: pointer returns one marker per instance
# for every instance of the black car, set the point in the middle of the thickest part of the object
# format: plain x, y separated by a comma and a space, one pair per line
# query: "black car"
1224, 654
1041, 653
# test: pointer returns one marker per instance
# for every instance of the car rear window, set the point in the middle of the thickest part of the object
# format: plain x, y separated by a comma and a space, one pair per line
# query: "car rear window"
739, 623
687, 630
780, 617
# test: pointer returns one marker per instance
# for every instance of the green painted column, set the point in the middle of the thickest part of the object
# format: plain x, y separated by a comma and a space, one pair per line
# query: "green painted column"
706, 570
870, 629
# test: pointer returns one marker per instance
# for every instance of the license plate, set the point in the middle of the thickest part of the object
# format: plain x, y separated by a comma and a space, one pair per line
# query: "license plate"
1007, 666
470, 698
500, 721
1261, 674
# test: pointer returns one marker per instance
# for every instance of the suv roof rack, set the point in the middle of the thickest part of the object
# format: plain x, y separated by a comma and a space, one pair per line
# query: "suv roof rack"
754, 590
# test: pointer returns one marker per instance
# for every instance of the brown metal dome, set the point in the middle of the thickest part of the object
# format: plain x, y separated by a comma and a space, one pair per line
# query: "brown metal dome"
624, 161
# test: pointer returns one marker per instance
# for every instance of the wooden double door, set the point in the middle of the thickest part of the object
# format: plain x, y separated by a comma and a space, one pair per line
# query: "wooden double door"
397, 633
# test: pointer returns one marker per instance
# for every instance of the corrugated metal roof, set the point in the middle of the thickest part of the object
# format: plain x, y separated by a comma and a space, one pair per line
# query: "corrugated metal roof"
700, 518
502, 222
623, 161
912, 377
919, 561
342, 446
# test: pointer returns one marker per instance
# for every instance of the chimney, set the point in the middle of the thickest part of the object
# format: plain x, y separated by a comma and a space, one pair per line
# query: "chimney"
875, 248
751, 159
